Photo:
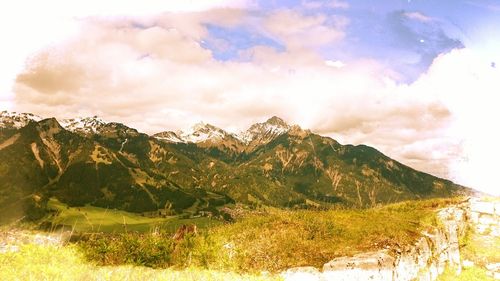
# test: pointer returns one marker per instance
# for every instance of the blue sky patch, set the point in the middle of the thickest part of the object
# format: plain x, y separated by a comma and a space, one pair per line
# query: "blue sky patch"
227, 43
377, 29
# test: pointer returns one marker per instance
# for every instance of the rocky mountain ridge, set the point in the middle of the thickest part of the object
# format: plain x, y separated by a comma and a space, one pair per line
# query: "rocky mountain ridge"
208, 135
200, 133
89, 161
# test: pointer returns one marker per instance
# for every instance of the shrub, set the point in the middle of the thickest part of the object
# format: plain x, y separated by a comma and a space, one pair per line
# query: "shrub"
128, 248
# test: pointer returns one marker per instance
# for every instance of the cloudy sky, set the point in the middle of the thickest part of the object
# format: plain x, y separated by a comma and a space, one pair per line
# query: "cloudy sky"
417, 79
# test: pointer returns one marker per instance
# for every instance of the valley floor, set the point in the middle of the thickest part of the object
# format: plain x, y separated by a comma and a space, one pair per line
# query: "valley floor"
89, 219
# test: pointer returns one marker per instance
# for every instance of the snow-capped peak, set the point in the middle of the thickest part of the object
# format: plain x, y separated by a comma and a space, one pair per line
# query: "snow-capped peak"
169, 136
16, 120
85, 125
199, 133
265, 131
202, 132
79, 125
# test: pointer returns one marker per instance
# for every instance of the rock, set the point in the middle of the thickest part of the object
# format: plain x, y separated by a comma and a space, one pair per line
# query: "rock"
366, 266
493, 266
475, 217
307, 273
8, 249
467, 263
485, 216
487, 220
12, 240
482, 207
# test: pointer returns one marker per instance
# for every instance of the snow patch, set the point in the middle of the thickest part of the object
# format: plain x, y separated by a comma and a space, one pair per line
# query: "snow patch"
86, 125
16, 120
270, 129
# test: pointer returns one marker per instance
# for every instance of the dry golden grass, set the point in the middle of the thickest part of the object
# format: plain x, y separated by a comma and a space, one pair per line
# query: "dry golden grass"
50, 263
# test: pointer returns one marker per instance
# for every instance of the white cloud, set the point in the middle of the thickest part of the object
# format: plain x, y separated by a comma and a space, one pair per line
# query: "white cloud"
160, 73
336, 63
418, 16
338, 4
468, 86
27, 26
491, 7
297, 31
335, 4
62, 8
6, 101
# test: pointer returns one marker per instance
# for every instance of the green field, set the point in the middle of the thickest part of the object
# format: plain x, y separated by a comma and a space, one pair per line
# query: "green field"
89, 219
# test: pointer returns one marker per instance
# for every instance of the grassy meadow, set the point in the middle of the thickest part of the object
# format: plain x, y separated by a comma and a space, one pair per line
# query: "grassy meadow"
94, 219
268, 241
273, 241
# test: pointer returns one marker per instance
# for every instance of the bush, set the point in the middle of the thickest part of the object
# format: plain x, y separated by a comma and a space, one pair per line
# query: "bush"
128, 248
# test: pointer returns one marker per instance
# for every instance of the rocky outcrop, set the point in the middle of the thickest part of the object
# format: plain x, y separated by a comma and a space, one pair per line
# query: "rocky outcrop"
11, 240
485, 216
425, 260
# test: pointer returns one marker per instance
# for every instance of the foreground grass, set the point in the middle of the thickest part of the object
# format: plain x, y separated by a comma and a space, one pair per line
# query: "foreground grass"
275, 241
33, 262
473, 273
482, 250
94, 219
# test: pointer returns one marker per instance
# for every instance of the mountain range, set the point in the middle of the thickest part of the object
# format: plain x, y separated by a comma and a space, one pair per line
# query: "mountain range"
107, 164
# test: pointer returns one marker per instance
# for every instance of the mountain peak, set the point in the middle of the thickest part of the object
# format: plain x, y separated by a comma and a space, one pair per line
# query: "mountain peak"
202, 132
275, 120
208, 134
83, 125
169, 136
261, 133
202, 126
198, 126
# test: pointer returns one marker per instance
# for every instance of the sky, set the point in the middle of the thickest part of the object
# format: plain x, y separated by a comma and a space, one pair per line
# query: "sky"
417, 79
